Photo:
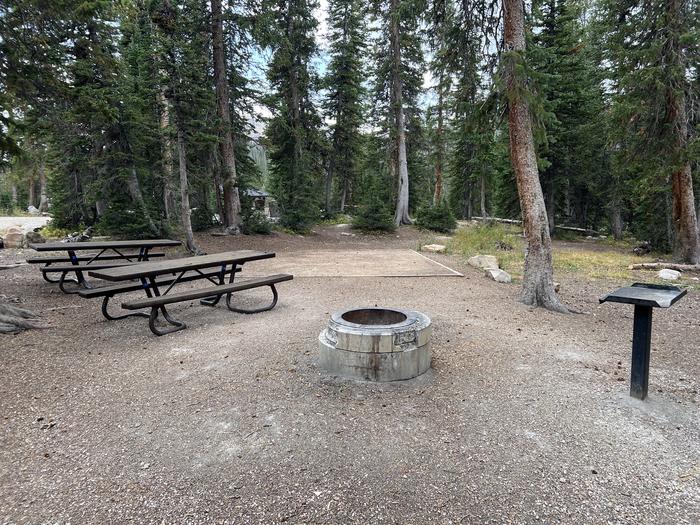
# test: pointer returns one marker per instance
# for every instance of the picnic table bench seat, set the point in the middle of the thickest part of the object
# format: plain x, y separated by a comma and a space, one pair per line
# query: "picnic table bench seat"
88, 257
213, 292
108, 292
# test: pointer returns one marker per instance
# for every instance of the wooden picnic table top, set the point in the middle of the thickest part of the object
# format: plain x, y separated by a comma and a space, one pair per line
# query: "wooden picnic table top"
102, 245
152, 269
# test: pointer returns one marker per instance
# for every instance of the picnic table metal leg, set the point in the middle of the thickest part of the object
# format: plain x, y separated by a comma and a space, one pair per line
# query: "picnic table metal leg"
48, 279
79, 281
641, 351
151, 288
254, 310
110, 317
214, 300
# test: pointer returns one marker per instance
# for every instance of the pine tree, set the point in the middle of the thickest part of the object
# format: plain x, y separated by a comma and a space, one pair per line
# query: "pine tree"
293, 133
650, 72
343, 104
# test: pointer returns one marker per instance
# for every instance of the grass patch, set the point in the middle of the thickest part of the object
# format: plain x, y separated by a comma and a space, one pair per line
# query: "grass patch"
492, 239
605, 259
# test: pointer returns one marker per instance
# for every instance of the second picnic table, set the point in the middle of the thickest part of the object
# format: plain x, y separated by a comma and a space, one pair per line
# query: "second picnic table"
109, 254
215, 267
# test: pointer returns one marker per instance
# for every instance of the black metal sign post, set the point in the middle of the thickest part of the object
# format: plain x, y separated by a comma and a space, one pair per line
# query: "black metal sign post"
644, 297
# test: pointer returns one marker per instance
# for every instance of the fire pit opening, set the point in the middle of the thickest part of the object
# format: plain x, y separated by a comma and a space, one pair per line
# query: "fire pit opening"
374, 316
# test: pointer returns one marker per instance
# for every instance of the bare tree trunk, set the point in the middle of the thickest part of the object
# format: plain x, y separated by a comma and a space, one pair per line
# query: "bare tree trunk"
538, 285
549, 205
686, 244
43, 197
469, 202
344, 195
440, 150
482, 196
134, 188
232, 202
14, 195
401, 215
31, 192
167, 152
616, 225
185, 211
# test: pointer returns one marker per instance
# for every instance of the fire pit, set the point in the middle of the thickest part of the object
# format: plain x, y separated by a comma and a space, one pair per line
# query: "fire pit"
376, 344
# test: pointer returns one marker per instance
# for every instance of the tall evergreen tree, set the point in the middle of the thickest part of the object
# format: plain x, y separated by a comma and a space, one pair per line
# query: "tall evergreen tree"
293, 133
343, 104
650, 48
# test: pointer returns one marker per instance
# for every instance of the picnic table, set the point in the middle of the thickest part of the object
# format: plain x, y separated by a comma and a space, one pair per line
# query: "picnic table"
154, 276
109, 254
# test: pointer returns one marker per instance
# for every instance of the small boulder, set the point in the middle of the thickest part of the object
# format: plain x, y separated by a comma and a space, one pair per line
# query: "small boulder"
32, 210
13, 238
435, 248
483, 261
498, 275
668, 275
34, 237
557, 286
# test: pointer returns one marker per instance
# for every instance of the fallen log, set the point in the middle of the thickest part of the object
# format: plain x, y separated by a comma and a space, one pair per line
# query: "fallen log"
582, 231
662, 265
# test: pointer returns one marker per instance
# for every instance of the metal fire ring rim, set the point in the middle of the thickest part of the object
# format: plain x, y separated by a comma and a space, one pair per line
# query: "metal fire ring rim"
412, 317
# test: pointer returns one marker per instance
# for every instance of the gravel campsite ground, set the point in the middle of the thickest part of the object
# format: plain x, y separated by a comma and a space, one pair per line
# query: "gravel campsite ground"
524, 417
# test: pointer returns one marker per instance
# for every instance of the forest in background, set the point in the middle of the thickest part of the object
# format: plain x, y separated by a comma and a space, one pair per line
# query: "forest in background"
152, 117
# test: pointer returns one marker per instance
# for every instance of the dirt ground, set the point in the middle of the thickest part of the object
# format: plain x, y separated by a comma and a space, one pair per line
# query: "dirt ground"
524, 417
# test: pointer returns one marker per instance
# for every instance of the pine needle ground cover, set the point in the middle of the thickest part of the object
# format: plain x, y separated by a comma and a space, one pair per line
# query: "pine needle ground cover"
603, 259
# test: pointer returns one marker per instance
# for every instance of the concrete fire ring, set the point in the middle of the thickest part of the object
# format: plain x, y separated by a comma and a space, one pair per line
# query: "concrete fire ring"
376, 344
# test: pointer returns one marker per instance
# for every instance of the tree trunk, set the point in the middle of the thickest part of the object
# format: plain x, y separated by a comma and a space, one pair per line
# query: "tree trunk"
232, 202
31, 191
686, 243
482, 196
43, 197
549, 205
401, 215
14, 195
440, 150
185, 211
538, 285
167, 152
134, 188
616, 225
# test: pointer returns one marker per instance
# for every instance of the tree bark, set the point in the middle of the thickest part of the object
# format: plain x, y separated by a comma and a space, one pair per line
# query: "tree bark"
43, 197
185, 211
482, 196
134, 188
440, 139
401, 215
538, 285
31, 191
686, 242
232, 202
616, 224
167, 153
14, 195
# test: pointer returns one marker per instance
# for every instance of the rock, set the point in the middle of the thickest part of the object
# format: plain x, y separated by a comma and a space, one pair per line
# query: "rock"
347, 234
34, 237
498, 275
483, 261
435, 248
14, 238
557, 286
2, 243
33, 211
668, 275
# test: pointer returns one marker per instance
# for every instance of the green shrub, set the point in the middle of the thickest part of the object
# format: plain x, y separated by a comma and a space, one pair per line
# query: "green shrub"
255, 222
437, 218
374, 216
